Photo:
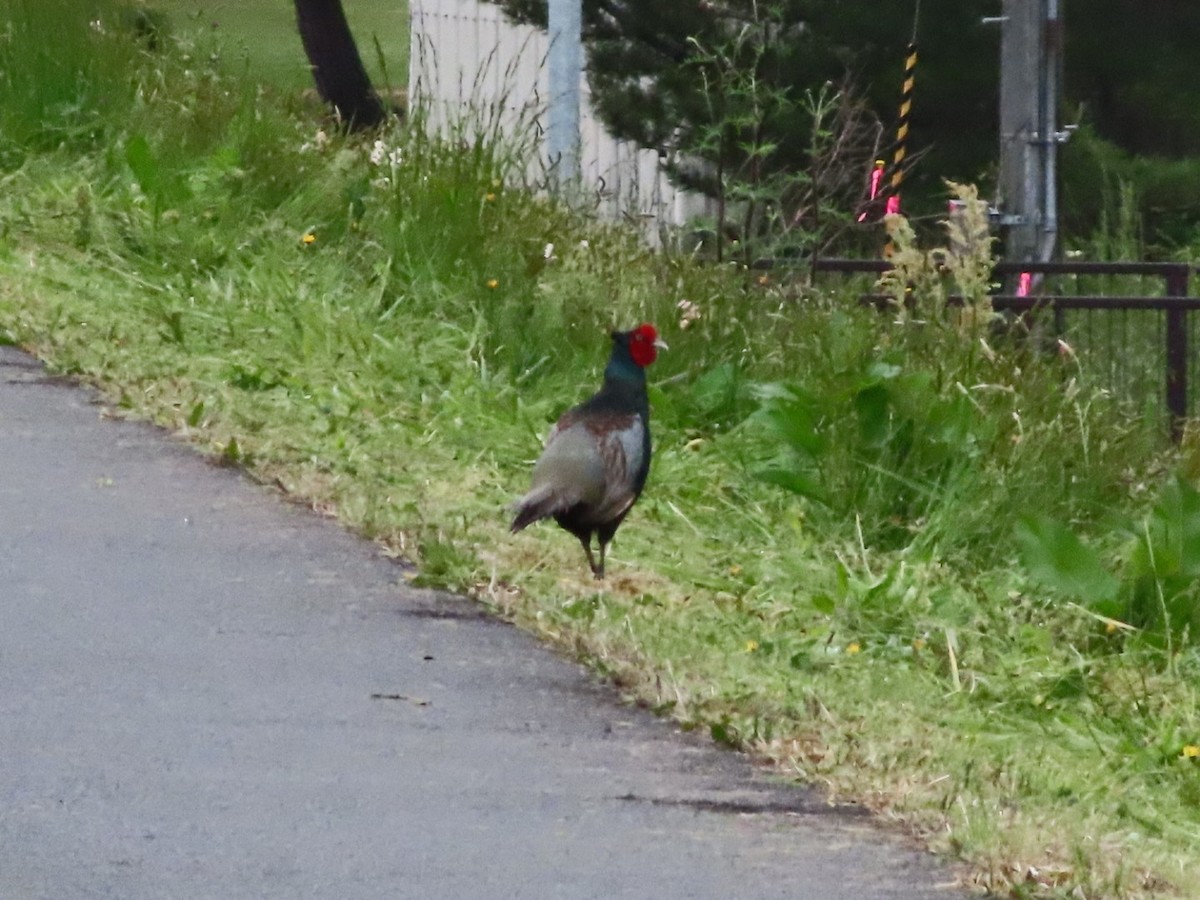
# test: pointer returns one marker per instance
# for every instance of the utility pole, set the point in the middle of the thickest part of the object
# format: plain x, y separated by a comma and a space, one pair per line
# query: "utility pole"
566, 73
1031, 53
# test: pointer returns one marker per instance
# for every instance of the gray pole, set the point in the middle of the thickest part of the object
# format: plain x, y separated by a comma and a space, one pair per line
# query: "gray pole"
1051, 77
1030, 64
1020, 181
566, 72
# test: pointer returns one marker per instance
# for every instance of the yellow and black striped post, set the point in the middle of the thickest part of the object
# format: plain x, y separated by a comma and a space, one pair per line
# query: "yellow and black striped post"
901, 149
906, 95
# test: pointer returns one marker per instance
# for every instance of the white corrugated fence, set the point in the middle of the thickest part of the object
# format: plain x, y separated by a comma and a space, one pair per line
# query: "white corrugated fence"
469, 59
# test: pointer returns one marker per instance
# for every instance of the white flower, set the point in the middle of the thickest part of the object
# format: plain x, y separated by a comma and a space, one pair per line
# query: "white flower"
318, 142
381, 154
583, 245
548, 253
689, 313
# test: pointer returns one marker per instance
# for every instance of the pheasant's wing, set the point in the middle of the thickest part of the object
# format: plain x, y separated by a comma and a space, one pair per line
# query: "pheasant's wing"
619, 439
588, 466
572, 464
569, 473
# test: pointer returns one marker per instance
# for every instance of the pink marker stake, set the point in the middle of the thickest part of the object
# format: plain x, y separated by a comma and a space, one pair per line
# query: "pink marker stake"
876, 180
1024, 284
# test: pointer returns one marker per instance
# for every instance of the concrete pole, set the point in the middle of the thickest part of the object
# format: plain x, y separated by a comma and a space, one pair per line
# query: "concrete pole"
1051, 78
1030, 70
1020, 181
566, 75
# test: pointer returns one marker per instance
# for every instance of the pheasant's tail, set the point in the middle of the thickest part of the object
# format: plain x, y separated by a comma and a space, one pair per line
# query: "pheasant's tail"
540, 503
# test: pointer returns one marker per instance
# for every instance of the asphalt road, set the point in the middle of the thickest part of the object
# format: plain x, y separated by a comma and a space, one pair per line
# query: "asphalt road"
207, 692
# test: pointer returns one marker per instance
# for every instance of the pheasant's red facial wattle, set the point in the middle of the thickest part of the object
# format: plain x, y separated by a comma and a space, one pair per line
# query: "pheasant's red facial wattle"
644, 344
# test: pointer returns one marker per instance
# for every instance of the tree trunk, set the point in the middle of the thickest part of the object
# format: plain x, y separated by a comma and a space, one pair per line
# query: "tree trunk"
337, 68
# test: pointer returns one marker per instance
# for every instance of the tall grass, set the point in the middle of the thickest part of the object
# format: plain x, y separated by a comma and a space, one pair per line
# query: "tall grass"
822, 568
64, 74
259, 41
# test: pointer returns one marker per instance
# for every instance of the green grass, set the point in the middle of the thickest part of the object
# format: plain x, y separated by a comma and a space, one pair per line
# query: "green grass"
386, 341
260, 38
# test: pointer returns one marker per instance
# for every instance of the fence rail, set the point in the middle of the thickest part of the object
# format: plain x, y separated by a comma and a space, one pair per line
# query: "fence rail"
1174, 306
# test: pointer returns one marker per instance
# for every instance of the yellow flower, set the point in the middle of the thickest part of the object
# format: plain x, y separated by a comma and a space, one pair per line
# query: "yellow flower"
853, 647
1191, 751
489, 196
308, 238
918, 644
751, 646
493, 283
764, 279
735, 569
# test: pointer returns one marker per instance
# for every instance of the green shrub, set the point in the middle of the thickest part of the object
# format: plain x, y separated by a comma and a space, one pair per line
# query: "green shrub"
934, 424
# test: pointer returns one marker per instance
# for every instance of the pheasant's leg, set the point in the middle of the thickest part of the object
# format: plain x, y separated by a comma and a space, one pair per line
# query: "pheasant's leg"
598, 572
604, 535
603, 549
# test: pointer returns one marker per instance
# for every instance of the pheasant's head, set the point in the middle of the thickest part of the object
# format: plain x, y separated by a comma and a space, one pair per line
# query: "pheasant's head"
644, 343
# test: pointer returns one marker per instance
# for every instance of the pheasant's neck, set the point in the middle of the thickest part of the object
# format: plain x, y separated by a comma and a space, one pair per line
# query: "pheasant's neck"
622, 369
624, 392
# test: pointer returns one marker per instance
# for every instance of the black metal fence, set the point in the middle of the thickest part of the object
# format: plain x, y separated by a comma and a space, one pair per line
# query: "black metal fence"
1131, 324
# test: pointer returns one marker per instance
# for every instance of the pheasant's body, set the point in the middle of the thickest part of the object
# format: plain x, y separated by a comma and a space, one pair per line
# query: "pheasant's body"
597, 456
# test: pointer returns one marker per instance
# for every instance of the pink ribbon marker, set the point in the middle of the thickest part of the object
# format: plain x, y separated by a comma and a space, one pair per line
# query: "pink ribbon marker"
1024, 284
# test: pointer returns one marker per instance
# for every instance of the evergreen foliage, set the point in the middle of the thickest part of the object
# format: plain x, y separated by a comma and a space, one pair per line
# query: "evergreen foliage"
1128, 77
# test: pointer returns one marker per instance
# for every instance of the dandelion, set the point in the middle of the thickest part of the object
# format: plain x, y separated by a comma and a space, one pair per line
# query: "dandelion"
853, 647
1191, 751
489, 196
493, 283
764, 279
735, 569
751, 646
308, 238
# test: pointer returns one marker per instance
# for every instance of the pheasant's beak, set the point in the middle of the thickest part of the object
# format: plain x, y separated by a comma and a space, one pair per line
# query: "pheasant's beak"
661, 344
